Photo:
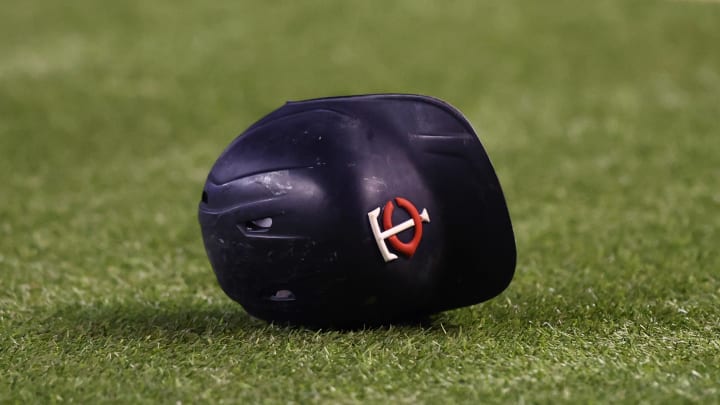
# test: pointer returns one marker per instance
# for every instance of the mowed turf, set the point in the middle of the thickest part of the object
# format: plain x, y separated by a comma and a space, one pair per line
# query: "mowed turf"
601, 118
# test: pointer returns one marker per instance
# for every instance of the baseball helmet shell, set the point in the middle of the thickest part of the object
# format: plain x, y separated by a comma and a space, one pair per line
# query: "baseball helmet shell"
357, 210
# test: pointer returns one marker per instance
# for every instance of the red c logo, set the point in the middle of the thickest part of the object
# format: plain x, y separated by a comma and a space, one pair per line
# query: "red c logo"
390, 231
408, 249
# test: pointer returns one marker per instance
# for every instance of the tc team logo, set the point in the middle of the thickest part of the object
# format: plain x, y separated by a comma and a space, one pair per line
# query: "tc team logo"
390, 232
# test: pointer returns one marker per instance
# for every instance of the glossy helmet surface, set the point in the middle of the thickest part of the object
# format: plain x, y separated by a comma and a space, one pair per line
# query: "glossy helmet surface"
357, 210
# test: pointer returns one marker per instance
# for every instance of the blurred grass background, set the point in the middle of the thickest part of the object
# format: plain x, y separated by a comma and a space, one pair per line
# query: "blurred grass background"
601, 119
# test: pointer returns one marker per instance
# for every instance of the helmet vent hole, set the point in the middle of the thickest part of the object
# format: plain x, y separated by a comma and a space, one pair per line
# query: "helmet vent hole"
259, 225
283, 295
204, 197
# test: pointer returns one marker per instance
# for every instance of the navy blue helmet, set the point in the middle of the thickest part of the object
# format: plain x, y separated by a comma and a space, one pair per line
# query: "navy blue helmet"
357, 210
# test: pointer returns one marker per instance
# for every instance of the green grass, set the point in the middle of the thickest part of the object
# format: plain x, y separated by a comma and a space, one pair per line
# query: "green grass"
602, 120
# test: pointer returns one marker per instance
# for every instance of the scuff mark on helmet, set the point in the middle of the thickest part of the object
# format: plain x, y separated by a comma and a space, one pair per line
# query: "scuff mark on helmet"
277, 182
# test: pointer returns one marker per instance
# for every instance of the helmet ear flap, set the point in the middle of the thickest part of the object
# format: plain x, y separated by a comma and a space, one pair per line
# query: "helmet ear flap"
357, 210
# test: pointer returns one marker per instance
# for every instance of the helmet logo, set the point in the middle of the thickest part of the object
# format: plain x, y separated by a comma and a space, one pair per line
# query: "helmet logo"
390, 232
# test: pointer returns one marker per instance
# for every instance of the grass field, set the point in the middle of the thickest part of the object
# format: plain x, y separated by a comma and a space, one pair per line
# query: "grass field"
602, 120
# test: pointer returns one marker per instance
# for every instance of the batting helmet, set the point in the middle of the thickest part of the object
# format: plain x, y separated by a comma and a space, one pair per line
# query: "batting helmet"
357, 210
